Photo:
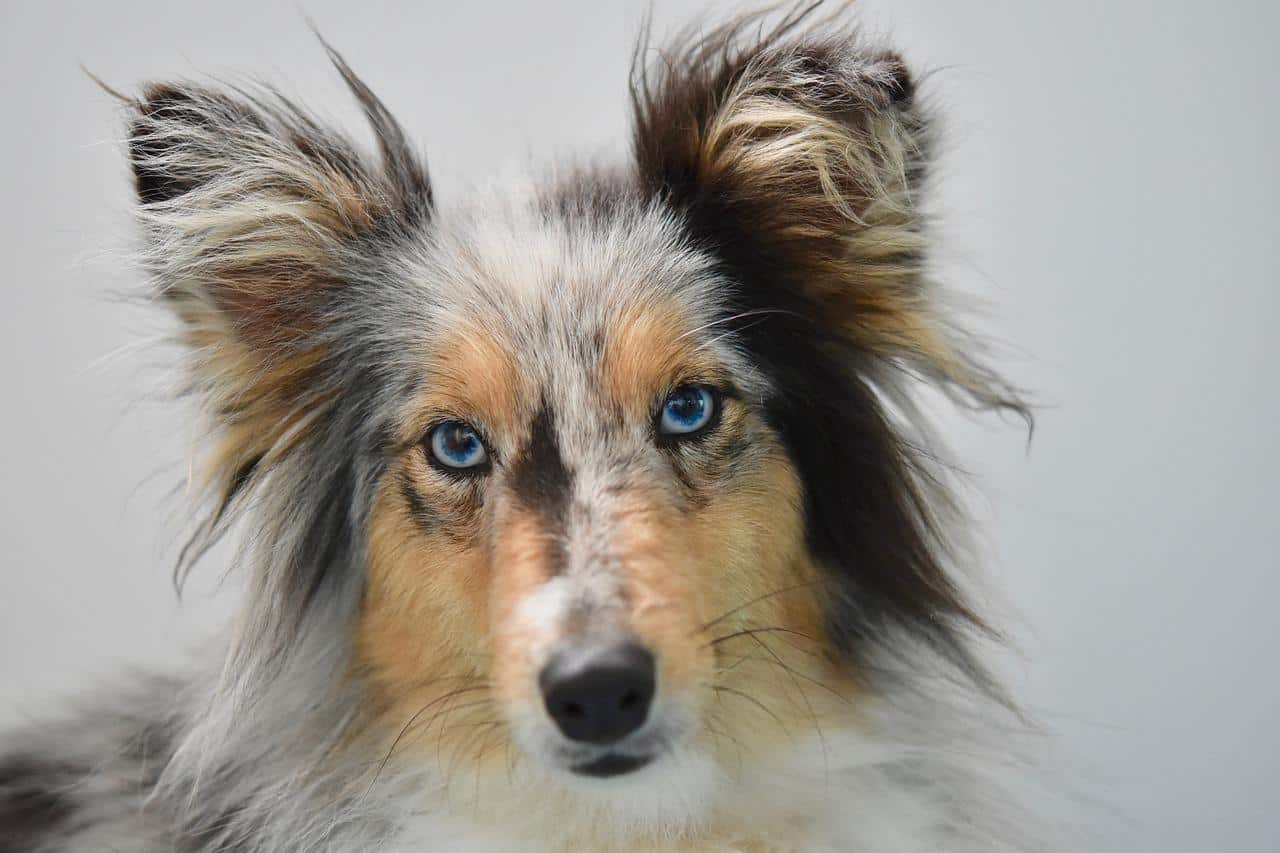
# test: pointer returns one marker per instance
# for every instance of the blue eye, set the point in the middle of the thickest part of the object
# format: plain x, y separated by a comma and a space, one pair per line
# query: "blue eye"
687, 410
455, 444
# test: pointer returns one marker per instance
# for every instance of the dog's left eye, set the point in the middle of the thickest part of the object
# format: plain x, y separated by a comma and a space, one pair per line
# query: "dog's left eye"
457, 445
687, 410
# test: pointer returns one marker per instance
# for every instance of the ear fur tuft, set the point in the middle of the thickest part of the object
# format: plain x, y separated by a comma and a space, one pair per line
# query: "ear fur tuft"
802, 152
258, 219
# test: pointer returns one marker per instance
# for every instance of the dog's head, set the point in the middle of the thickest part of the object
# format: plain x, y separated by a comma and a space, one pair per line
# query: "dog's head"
600, 476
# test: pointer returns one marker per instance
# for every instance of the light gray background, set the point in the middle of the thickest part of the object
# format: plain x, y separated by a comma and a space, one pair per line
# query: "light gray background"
1110, 186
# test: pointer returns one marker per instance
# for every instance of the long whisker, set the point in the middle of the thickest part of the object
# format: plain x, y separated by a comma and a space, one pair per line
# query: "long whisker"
757, 600
444, 714
791, 672
772, 629
453, 694
797, 673
478, 729
490, 730
717, 730
740, 316
720, 688
711, 342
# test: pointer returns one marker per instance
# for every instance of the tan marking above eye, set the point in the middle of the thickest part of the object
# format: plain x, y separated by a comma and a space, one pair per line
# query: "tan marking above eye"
648, 352
471, 376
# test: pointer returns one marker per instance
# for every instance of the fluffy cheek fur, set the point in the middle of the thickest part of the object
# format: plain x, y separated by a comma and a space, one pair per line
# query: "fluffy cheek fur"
422, 639
732, 602
421, 642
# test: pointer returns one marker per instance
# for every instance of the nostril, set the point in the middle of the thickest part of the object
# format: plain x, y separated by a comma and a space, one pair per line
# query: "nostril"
573, 710
599, 693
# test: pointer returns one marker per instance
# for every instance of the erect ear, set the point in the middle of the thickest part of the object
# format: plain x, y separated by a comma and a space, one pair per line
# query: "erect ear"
258, 224
251, 205
798, 156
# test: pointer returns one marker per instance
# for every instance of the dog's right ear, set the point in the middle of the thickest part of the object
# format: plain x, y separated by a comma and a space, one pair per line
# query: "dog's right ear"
797, 155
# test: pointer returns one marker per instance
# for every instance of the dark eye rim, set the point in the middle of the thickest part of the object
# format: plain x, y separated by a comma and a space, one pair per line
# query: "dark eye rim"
670, 439
466, 473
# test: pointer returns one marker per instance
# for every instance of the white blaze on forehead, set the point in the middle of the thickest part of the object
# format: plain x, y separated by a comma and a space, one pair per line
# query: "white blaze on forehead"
543, 617
543, 610
585, 597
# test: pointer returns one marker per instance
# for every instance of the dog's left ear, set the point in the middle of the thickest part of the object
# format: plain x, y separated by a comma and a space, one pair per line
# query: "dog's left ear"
263, 234
797, 156
252, 206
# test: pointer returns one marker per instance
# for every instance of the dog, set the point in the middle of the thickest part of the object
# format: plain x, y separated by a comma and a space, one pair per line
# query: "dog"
597, 514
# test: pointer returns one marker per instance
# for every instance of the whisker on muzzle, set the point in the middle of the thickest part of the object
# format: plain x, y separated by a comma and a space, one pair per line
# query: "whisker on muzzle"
413, 721
720, 689
804, 585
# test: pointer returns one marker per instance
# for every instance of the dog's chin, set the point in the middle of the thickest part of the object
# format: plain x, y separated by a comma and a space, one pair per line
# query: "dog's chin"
667, 793
607, 766
659, 781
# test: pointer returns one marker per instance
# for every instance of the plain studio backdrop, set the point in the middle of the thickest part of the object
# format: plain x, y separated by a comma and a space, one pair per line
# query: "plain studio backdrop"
1109, 186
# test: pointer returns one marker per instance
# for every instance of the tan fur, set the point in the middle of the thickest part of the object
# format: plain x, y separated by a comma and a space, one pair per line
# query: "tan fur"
472, 374
416, 641
427, 592
647, 350
763, 617
261, 407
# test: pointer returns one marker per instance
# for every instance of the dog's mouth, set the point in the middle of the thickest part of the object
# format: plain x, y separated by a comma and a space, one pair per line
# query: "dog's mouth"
663, 734
611, 764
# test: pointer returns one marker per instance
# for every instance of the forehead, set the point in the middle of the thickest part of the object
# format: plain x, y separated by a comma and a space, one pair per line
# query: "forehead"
563, 300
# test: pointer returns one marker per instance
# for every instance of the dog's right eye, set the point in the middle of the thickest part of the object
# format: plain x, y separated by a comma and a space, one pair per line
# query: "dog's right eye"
457, 446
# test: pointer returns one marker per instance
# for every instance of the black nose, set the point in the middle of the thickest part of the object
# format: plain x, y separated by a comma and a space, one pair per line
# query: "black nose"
599, 693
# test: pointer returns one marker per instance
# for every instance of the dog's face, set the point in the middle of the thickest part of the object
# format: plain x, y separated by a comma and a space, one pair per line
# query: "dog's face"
584, 488
596, 480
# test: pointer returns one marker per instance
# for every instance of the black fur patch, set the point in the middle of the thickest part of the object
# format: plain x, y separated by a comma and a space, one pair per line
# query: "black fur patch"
422, 514
543, 482
456, 517
36, 800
